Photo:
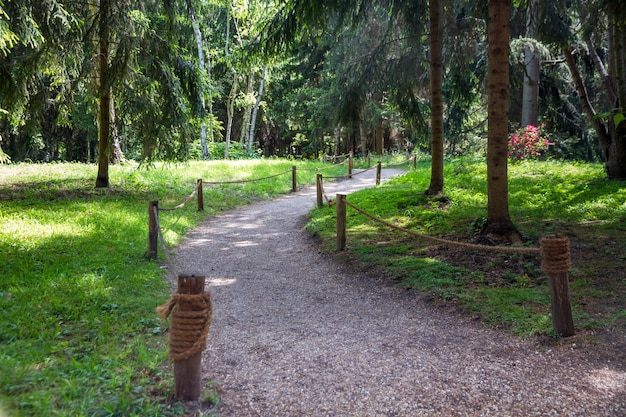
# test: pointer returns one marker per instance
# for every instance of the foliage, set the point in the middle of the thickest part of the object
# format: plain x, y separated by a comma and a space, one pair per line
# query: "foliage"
508, 291
529, 142
78, 328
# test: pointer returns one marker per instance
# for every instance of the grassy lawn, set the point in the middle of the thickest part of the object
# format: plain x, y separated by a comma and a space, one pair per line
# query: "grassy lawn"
507, 291
79, 335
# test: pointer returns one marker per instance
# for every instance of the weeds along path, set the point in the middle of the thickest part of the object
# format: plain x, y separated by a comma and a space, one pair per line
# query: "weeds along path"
296, 334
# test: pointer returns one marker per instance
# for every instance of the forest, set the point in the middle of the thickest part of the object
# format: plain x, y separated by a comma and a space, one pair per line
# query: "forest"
109, 80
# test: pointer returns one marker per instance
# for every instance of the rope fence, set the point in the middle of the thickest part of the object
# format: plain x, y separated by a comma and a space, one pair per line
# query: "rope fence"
554, 251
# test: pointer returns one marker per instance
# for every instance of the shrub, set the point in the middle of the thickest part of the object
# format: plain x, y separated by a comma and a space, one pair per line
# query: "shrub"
528, 143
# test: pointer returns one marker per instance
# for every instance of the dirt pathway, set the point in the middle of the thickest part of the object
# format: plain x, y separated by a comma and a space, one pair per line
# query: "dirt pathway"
295, 334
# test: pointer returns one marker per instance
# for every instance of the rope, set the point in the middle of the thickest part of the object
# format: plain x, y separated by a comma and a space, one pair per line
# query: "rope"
166, 252
556, 255
189, 328
181, 205
503, 249
245, 181
328, 200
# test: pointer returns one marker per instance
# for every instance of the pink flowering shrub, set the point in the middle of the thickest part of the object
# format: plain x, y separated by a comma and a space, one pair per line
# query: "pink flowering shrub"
528, 143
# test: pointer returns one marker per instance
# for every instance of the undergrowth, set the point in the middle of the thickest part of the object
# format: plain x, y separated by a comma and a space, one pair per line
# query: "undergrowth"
506, 291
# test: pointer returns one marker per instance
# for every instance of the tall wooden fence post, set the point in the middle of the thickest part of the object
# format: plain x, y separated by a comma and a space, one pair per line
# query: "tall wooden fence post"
320, 196
378, 168
294, 182
200, 196
341, 222
350, 165
188, 372
556, 264
153, 232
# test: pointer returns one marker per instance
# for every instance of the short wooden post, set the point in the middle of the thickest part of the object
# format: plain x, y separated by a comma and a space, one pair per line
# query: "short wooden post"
369, 160
341, 222
200, 196
414, 161
320, 196
350, 165
153, 232
188, 372
294, 182
378, 169
556, 264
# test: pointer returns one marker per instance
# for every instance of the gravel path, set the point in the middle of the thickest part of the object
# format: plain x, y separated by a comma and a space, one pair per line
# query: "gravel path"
296, 334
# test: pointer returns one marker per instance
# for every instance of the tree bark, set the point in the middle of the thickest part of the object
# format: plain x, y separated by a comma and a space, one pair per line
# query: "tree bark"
530, 91
116, 155
231, 113
499, 223
597, 123
616, 160
255, 111
104, 94
200, 47
436, 101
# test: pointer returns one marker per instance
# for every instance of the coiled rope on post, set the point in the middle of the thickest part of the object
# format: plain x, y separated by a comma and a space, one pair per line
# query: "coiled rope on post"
189, 328
556, 254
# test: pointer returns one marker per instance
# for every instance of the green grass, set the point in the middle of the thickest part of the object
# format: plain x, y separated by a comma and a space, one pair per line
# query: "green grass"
79, 335
507, 291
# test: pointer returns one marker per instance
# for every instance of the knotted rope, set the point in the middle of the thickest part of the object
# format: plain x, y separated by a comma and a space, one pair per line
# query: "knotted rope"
189, 328
555, 255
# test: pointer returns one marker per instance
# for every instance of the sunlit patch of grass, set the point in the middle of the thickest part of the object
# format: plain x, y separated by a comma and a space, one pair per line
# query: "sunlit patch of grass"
545, 197
78, 329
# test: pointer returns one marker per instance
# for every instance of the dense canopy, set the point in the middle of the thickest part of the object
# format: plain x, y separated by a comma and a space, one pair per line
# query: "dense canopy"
197, 79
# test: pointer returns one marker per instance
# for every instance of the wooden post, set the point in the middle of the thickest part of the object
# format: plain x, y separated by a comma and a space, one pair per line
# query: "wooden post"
188, 372
200, 196
350, 165
153, 232
556, 264
341, 222
378, 168
320, 196
294, 182
414, 161
369, 160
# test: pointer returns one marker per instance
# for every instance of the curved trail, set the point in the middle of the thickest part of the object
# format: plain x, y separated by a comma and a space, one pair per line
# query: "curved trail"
296, 334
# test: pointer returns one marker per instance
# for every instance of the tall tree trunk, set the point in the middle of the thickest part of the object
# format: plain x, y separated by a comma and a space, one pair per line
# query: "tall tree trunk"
199, 45
116, 156
436, 101
616, 160
530, 91
104, 94
231, 113
597, 123
499, 223
245, 123
255, 111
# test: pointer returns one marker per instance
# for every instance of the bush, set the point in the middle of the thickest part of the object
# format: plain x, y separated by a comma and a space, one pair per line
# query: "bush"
528, 143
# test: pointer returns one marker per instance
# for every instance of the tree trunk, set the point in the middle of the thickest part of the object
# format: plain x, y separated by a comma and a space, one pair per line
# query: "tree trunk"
597, 123
245, 123
499, 223
616, 160
255, 111
116, 156
104, 94
231, 113
530, 91
436, 101
199, 44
